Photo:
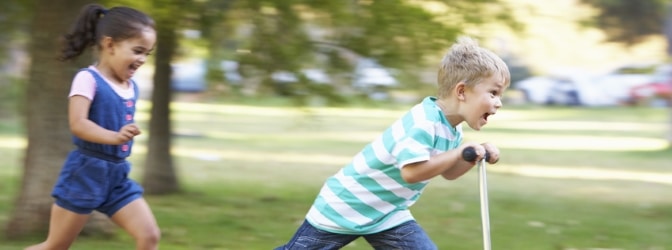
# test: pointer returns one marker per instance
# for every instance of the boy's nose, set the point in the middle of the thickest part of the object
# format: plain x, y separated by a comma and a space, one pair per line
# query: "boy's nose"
498, 102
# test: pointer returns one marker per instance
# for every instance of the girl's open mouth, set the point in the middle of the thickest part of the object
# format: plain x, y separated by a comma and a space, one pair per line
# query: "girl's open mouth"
133, 68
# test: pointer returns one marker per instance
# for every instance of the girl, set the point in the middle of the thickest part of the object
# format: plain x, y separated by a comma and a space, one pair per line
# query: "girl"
101, 117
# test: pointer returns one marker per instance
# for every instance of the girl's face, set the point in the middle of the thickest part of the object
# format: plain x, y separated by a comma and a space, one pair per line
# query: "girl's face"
482, 101
128, 55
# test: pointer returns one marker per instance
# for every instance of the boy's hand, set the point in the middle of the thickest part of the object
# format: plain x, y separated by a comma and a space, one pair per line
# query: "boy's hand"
127, 132
493, 151
478, 149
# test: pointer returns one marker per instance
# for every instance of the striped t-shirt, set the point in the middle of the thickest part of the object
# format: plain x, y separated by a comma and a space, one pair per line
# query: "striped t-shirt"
369, 195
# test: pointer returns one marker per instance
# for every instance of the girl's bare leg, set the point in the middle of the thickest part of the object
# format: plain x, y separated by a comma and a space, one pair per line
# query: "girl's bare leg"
137, 219
64, 226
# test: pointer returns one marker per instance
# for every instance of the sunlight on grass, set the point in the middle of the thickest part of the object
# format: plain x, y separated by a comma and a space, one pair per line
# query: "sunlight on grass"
274, 111
362, 137
13, 142
570, 142
251, 156
578, 125
584, 173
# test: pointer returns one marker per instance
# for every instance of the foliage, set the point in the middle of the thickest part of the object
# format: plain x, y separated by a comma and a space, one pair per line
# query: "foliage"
267, 36
627, 21
14, 16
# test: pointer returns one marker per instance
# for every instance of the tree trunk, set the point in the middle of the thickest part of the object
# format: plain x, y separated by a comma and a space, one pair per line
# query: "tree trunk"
159, 176
46, 121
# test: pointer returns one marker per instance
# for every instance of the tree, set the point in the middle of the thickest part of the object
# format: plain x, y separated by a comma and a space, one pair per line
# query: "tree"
13, 20
292, 34
160, 176
46, 119
630, 22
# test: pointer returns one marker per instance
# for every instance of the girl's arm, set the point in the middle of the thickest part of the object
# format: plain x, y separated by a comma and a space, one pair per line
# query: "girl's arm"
85, 129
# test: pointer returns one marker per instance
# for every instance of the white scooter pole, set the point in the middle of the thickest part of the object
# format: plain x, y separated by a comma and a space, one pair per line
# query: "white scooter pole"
485, 214
469, 154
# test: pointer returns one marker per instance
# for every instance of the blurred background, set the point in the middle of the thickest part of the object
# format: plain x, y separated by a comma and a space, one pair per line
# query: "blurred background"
248, 105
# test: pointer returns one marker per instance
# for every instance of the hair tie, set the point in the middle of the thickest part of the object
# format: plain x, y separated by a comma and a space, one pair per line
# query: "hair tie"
104, 11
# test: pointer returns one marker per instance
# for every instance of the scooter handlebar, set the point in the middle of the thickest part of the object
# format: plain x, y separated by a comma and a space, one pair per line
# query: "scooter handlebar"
469, 154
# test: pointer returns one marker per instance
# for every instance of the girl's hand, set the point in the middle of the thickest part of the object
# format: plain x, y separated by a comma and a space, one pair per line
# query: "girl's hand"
127, 132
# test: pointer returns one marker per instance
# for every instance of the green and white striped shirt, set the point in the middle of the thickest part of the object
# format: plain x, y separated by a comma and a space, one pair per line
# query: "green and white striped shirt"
368, 195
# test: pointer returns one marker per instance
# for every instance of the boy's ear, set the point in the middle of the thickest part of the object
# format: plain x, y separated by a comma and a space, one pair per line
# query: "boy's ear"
459, 91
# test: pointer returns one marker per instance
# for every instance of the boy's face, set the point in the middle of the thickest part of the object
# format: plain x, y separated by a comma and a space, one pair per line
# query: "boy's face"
482, 101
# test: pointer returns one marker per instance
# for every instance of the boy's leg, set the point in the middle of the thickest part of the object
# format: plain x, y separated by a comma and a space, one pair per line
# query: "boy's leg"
137, 219
64, 226
408, 235
308, 237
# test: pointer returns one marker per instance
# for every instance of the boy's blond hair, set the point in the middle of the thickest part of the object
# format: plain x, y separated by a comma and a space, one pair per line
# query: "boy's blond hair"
468, 63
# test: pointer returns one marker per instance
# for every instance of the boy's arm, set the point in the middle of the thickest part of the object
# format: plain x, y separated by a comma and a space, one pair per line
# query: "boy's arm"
448, 164
462, 167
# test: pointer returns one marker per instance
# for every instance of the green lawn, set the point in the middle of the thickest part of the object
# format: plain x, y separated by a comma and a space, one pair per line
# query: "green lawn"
569, 178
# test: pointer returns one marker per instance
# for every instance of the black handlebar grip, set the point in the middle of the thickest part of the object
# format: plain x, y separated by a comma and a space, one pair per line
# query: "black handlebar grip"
469, 154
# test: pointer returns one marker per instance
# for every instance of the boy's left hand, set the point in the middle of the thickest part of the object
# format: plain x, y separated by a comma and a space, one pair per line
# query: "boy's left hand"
493, 151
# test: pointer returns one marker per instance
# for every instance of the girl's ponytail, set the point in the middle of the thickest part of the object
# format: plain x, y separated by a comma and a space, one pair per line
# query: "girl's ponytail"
83, 32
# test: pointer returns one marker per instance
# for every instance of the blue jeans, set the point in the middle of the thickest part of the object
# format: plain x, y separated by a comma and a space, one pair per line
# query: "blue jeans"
408, 235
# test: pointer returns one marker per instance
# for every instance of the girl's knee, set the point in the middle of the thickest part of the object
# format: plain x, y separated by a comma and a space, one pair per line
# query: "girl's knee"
150, 236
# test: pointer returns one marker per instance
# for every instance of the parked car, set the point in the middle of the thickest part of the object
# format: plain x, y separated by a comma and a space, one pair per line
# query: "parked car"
231, 73
570, 87
579, 90
617, 83
189, 76
372, 79
563, 89
657, 92
535, 89
284, 80
318, 76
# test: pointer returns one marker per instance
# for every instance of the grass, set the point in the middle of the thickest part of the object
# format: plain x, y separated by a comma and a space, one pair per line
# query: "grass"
569, 178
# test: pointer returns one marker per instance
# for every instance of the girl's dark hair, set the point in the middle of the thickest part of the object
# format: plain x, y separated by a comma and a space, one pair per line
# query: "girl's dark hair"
95, 21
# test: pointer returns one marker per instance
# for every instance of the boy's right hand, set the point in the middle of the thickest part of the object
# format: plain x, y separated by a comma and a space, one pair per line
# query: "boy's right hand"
478, 148
127, 132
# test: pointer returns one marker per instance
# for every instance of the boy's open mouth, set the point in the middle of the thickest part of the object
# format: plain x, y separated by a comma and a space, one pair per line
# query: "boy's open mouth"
485, 116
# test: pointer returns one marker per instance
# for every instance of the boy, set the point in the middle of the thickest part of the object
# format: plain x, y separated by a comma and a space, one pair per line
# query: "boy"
371, 196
